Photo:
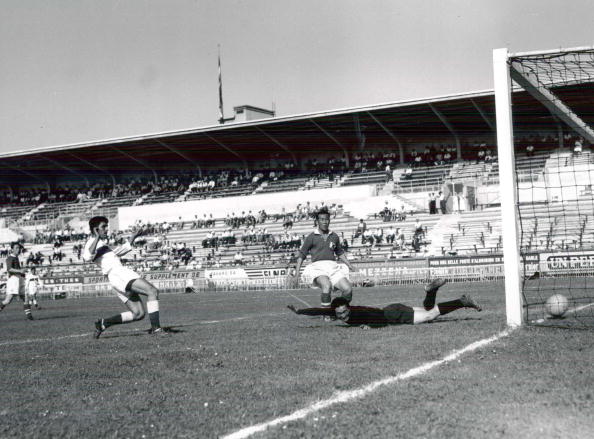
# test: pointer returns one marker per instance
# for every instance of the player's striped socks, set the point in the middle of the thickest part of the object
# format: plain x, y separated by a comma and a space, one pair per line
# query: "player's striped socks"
27, 308
118, 319
152, 307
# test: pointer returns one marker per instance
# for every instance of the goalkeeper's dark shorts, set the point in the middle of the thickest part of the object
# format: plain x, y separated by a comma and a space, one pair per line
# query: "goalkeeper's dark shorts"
399, 314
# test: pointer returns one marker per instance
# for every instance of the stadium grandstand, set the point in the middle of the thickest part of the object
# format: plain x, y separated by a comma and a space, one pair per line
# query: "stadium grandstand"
242, 195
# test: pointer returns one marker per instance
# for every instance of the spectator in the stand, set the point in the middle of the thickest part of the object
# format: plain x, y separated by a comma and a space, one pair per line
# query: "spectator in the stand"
419, 230
361, 228
388, 171
442, 202
399, 239
378, 236
238, 258
489, 156
408, 172
530, 150
480, 155
432, 205
390, 235
578, 146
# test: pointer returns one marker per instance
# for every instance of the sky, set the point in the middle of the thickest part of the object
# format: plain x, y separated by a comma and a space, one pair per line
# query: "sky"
88, 70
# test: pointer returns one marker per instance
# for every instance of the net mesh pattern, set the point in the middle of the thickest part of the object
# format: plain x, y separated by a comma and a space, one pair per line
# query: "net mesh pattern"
556, 202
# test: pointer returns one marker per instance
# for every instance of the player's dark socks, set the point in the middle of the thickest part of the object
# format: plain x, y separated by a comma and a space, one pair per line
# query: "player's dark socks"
431, 291
152, 307
448, 307
429, 301
110, 321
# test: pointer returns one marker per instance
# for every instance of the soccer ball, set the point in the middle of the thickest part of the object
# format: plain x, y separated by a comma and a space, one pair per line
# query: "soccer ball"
557, 305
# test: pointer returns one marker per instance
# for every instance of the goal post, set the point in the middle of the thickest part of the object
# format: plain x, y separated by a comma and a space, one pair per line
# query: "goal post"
547, 195
507, 187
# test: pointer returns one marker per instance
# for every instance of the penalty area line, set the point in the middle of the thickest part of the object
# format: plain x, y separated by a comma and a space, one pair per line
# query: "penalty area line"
349, 395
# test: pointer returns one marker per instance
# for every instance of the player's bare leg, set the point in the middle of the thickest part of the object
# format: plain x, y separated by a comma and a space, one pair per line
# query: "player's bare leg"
135, 312
26, 305
323, 282
144, 287
421, 315
345, 287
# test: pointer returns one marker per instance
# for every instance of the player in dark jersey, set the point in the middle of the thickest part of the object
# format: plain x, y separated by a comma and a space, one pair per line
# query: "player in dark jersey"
393, 314
325, 272
15, 286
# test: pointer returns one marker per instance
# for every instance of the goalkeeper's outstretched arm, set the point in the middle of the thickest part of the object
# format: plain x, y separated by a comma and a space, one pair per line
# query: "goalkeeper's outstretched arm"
313, 311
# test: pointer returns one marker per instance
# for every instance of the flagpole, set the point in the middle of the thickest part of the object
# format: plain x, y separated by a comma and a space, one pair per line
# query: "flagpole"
221, 112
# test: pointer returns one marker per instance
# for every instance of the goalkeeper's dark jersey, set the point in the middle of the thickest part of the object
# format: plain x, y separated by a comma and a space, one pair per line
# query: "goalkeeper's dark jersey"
360, 315
394, 314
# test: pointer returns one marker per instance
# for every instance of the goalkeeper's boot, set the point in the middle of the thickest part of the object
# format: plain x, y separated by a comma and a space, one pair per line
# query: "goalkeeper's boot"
469, 303
99, 328
431, 290
435, 285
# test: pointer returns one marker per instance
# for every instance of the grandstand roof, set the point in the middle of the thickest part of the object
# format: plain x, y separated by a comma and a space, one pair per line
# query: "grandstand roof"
412, 121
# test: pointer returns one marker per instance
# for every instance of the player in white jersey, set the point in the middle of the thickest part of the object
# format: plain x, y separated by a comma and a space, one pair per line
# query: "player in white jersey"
127, 283
32, 283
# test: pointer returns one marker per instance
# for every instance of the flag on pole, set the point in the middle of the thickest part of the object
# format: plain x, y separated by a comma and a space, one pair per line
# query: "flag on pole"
221, 116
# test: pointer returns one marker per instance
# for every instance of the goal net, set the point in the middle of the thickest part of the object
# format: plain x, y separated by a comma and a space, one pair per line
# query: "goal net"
545, 119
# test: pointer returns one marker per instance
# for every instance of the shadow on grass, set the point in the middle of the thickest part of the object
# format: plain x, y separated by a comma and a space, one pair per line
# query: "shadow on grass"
66, 316
141, 332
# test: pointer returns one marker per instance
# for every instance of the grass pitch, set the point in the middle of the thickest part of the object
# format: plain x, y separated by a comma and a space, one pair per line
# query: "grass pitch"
242, 358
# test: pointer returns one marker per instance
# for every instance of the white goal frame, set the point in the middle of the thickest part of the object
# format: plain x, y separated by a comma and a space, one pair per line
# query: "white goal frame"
507, 188
505, 70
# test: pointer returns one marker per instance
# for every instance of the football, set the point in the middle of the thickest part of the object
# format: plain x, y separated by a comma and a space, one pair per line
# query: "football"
557, 305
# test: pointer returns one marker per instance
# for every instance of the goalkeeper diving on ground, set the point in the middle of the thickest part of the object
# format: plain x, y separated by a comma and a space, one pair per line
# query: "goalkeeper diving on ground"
393, 314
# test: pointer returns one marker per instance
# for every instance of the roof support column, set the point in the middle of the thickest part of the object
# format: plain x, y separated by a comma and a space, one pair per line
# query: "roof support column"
344, 150
66, 168
483, 115
137, 160
279, 144
93, 165
22, 171
235, 153
449, 126
392, 135
181, 154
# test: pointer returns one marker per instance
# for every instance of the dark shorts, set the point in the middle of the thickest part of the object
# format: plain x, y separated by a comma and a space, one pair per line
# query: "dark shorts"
399, 314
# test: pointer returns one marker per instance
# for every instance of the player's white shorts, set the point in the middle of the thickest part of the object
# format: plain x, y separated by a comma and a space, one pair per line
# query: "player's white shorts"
119, 278
32, 290
331, 269
15, 286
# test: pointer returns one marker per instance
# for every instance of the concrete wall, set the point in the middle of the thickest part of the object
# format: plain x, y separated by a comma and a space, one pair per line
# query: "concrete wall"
353, 196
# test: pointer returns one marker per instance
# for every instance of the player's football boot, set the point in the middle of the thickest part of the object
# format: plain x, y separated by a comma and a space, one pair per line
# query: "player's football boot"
158, 331
98, 328
435, 285
469, 303
29, 317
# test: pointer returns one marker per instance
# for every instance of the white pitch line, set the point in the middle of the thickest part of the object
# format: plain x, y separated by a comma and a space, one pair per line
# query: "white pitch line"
349, 395
297, 298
